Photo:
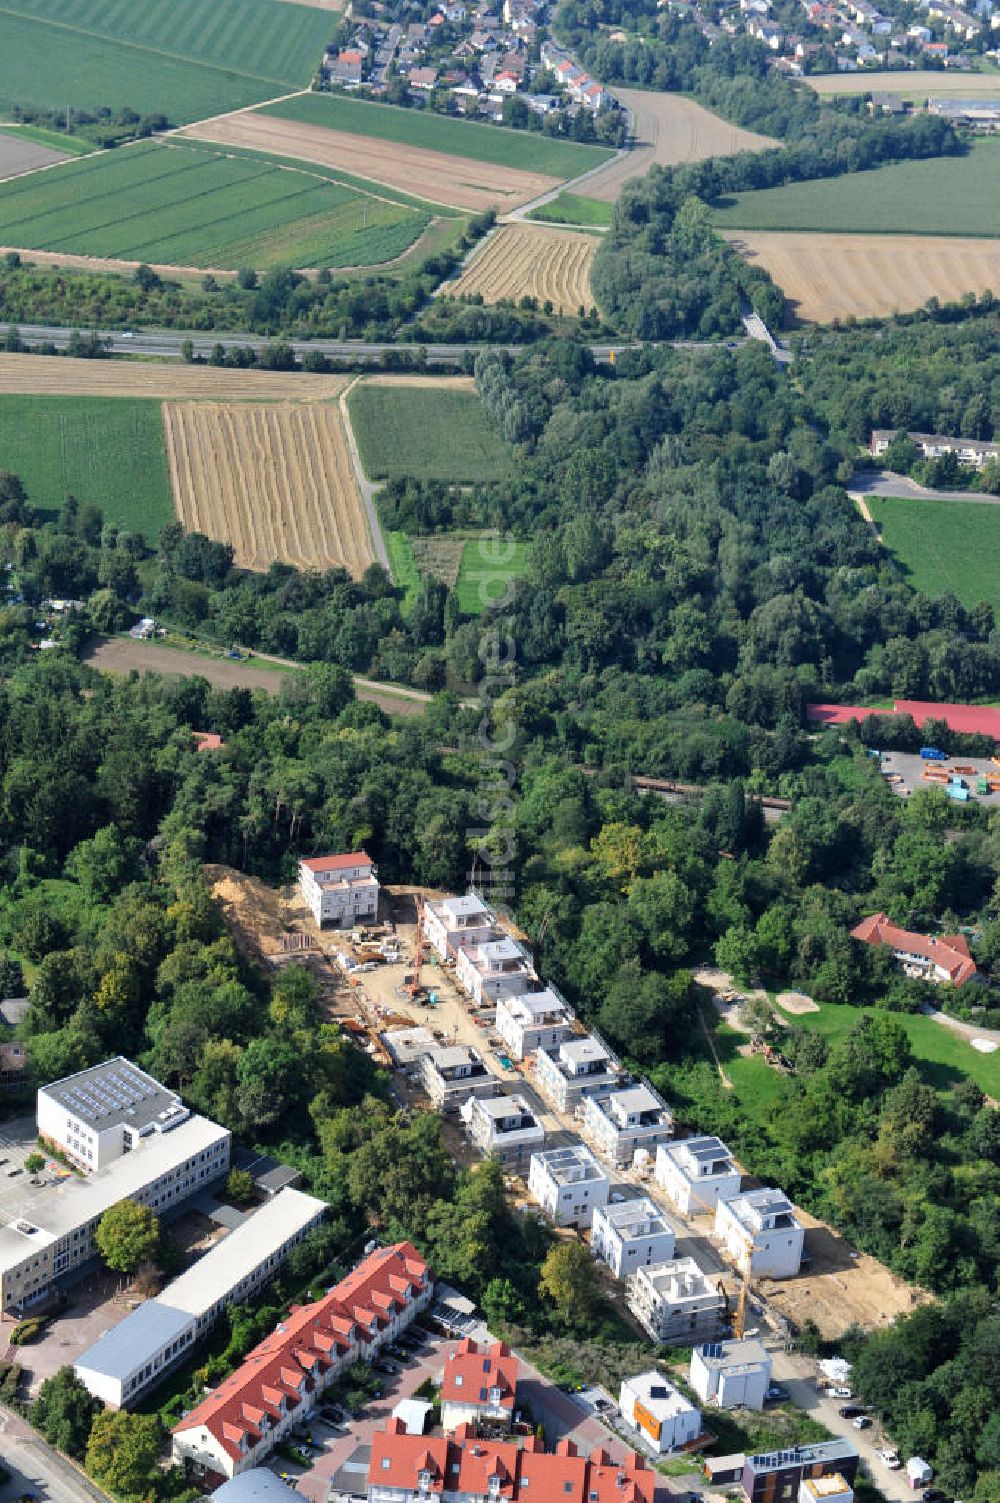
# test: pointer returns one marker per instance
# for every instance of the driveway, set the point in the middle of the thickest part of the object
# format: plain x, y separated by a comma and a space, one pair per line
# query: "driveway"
798, 1374
888, 483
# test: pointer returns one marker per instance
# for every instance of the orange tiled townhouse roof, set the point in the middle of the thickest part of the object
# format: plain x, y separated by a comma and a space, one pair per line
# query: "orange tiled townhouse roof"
471, 1371
950, 952
279, 1372
336, 863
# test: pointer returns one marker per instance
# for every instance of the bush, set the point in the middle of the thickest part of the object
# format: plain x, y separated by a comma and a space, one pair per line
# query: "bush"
26, 1330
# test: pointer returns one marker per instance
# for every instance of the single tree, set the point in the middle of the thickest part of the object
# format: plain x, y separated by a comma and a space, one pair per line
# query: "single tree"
123, 1453
128, 1234
568, 1280
64, 1412
239, 1186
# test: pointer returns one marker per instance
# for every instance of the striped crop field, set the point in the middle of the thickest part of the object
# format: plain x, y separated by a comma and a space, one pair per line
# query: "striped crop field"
179, 204
183, 58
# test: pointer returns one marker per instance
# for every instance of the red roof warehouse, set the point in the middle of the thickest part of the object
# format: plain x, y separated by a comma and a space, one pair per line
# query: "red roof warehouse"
969, 720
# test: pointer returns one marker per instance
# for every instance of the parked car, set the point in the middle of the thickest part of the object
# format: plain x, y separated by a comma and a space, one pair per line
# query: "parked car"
386, 1367
775, 1392
933, 1495
841, 1393
862, 1422
852, 1411
890, 1457
333, 1414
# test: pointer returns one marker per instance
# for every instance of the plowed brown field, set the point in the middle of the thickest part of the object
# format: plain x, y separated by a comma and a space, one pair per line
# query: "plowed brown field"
431, 175
524, 260
62, 376
276, 482
828, 276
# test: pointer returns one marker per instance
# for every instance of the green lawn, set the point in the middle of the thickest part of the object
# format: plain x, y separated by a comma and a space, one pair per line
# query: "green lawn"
529, 151
944, 1056
403, 565
573, 208
71, 146
183, 58
426, 433
944, 545
187, 205
106, 451
483, 572
941, 196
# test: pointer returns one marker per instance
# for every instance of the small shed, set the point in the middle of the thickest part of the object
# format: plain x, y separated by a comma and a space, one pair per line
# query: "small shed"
918, 1473
722, 1470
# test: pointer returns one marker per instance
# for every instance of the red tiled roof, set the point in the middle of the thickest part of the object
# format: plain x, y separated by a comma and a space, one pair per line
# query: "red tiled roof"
280, 1370
336, 863
470, 1372
949, 951
970, 720
525, 1475
207, 741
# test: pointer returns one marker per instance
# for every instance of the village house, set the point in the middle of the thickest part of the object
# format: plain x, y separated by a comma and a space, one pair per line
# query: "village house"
415, 1468
493, 969
761, 1233
505, 1126
452, 1074
697, 1173
344, 67
532, 1021
569, 1184
453, 924
973, 452
339, 890
478, 1387
581, 1067
676, 1302
778, 1474
926, 957
659, 1412
631, 1234
731, 1374
626, 1122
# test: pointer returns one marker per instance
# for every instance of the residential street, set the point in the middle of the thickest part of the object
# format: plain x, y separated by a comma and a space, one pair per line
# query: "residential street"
38, 1469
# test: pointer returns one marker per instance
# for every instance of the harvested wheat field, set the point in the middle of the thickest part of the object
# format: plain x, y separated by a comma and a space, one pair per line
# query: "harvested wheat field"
916, 83
525, 260
276, 482
828, 276
62, 376
434, 176
669, 129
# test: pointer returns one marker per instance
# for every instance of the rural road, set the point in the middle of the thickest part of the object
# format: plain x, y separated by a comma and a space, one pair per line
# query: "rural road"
888, 483
166, 344
366, 489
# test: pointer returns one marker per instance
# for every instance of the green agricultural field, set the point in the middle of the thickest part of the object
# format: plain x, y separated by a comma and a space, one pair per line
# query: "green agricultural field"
944, 546
485, 569
941, 196
185, 205
573, 208
426, 433
182, 58
70, 146
106, 451
528, 151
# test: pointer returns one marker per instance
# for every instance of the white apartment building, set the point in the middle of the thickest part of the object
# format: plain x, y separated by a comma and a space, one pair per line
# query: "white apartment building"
659, 1412
504, 1126
697, 1173
569, 1184
676, 1301
496, 968
453, 924
731, 1374
621, 1122
339, 890
580, 1067
761, 1233
631, 1234
533, 1021
134, 1355
451, 1075
98, 1114
57, 1236
972, 452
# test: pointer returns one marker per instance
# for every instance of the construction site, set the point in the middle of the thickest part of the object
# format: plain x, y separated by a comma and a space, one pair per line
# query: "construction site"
383, 980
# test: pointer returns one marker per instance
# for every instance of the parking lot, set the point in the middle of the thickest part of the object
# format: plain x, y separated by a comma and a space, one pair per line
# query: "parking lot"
904, 772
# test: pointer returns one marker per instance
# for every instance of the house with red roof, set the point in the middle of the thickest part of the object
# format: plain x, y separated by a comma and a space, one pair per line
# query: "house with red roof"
409, 1468
479, 1386
339, 890
937, 958
207, 741
239, 1423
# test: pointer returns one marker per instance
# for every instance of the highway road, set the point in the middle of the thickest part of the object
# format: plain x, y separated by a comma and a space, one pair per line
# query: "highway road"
165, 344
